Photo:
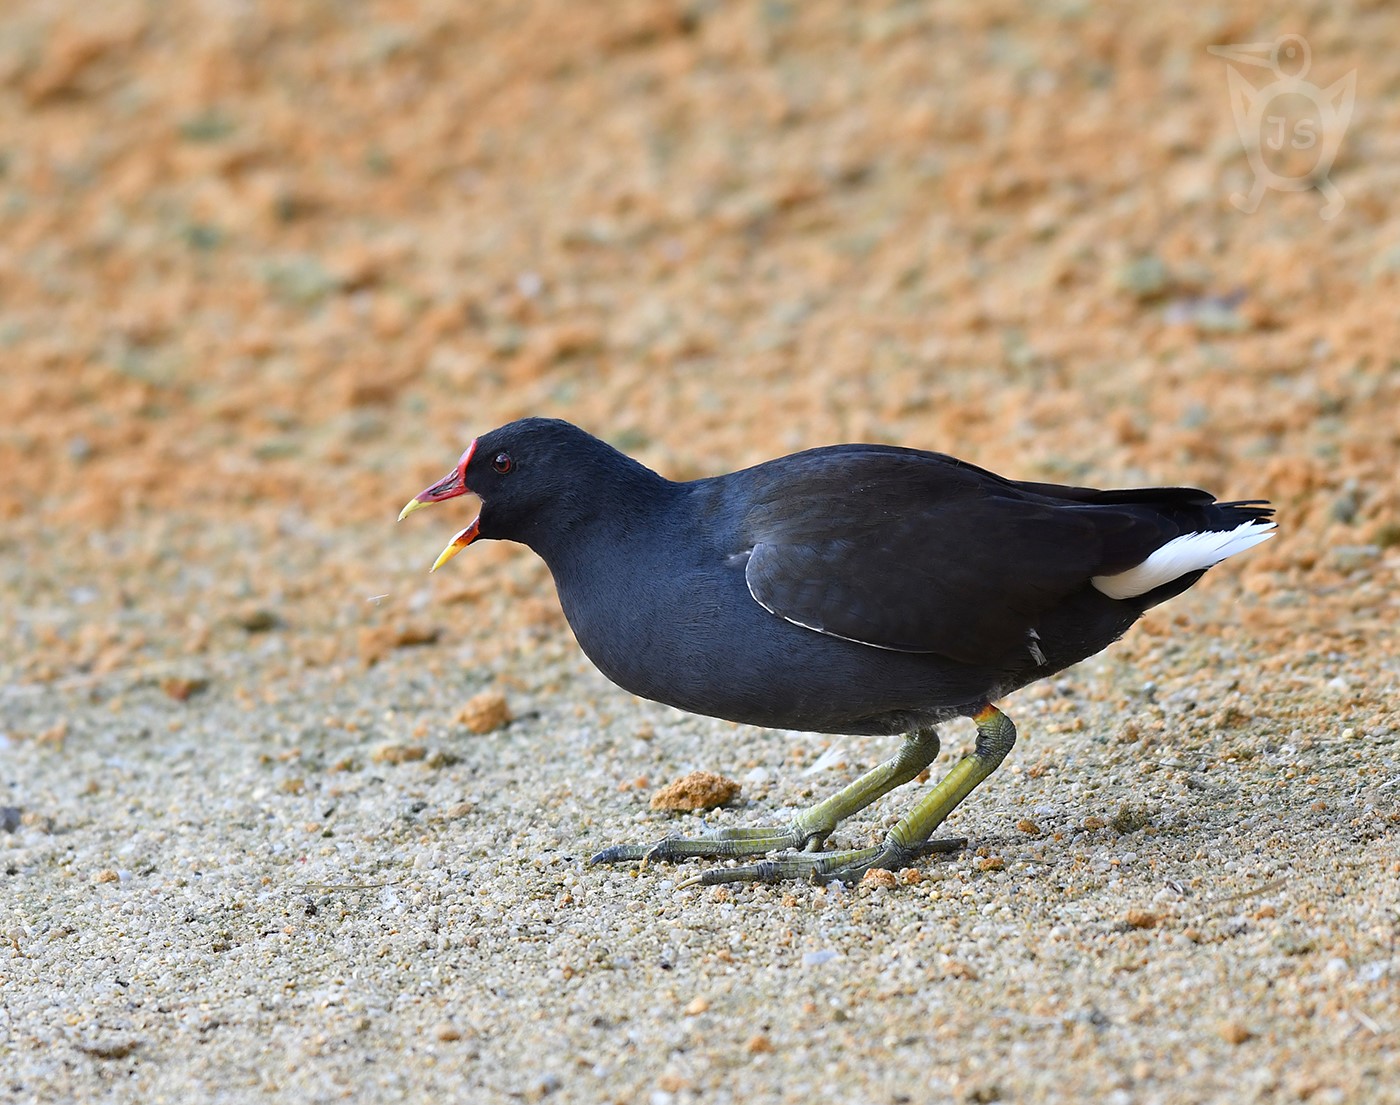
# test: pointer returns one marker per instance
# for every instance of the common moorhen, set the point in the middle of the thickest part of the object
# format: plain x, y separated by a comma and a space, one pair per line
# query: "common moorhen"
850, 589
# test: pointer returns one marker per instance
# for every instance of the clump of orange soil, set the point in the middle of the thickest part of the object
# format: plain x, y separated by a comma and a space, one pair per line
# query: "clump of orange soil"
700, 790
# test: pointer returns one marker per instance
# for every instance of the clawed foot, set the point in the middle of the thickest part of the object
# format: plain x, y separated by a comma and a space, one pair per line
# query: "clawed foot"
910, 838
819, 867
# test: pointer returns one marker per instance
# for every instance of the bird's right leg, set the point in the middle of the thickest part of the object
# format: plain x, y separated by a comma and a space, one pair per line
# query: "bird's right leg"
809, 829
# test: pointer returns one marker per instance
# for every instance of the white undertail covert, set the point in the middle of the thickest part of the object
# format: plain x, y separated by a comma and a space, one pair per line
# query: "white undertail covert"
1188, 553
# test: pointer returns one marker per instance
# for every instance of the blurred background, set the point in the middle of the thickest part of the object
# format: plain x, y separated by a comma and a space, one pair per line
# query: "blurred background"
264, 270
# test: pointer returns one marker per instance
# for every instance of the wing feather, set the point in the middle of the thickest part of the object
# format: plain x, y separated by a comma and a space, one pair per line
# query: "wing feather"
918, 552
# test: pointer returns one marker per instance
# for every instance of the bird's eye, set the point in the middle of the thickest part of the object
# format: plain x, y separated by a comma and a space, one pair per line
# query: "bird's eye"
502, 463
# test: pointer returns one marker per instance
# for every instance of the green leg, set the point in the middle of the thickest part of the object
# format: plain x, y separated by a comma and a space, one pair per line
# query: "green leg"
909, 839
809, 829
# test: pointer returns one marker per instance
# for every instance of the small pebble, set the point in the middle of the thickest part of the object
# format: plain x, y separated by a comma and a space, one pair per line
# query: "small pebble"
181, 689
398, 753
485, 712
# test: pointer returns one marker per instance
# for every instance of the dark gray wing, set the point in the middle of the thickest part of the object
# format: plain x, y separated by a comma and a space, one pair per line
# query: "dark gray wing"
918, 552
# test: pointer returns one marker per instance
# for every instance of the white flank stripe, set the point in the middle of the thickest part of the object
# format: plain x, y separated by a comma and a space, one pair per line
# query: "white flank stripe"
1188, 553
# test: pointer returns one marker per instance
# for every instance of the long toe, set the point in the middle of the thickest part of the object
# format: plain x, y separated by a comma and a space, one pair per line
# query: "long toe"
621, 853
814, 866
943, 847
716, 844
824, 867
890, 856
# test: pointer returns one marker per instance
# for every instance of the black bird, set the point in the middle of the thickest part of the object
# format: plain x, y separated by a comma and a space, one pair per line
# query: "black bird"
862, 589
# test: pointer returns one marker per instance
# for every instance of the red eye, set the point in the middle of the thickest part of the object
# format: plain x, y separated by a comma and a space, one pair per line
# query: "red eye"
502, 463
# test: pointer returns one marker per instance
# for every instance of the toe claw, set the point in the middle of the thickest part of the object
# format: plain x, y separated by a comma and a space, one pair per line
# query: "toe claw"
765, 871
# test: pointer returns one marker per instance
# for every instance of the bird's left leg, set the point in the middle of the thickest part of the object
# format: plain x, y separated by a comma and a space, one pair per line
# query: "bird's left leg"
809, 829
909, 839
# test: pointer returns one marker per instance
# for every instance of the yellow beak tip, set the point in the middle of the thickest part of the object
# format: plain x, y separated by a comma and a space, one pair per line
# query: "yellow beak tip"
446, 555
413, 504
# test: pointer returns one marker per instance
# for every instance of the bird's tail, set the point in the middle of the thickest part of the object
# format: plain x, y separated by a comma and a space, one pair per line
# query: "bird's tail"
1226, 529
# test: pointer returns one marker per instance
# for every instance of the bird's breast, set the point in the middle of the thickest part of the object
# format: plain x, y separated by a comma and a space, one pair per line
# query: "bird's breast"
657, 630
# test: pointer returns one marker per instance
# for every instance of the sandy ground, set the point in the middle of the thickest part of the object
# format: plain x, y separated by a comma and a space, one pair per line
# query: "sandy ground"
264, 270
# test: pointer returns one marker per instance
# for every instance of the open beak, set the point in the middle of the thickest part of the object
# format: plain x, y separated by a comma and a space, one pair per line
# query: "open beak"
449, 487
457, 544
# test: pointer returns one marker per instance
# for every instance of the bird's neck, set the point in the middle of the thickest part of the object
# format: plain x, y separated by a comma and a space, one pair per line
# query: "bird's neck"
607, 511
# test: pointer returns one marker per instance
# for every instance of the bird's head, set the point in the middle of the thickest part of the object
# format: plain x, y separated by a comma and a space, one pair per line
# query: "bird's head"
536, 478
